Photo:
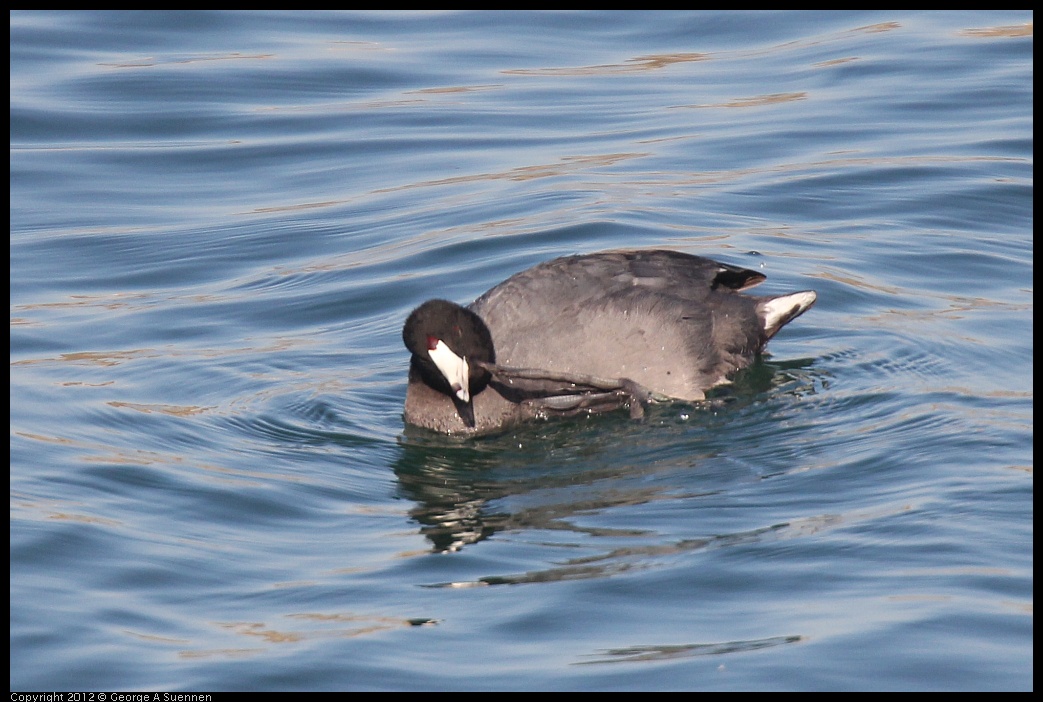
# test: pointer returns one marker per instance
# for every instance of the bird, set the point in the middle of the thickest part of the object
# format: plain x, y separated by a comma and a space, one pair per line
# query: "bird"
585, 334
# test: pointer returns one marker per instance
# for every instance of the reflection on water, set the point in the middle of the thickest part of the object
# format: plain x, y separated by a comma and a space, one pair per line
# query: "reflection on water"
660, 653
466, 490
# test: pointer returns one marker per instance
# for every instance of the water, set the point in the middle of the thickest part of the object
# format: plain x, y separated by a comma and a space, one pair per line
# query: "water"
219, 222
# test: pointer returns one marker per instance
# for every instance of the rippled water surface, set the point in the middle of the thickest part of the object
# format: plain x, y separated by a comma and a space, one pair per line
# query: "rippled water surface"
219, 222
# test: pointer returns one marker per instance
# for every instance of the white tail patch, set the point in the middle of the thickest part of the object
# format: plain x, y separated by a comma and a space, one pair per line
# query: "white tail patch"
780, 310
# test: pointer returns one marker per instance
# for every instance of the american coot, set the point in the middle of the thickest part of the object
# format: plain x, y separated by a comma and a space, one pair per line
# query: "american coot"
585, 334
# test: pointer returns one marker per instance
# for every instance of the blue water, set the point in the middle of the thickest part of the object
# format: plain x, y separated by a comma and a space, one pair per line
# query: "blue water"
219, 222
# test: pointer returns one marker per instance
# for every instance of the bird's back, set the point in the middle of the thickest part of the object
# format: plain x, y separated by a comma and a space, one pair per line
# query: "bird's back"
670, 321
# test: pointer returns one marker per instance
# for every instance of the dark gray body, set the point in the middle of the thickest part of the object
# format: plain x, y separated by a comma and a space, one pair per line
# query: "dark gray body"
674, 323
